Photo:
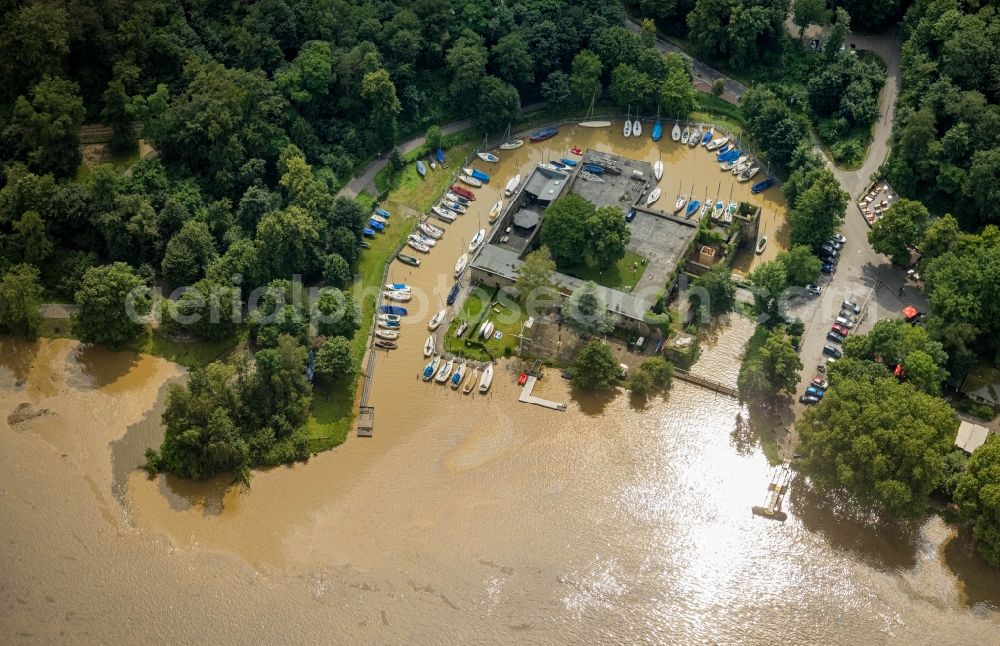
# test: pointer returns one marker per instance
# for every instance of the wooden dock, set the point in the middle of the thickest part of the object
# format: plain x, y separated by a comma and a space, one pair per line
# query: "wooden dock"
527, 398
684, 375
776, 491
366, 421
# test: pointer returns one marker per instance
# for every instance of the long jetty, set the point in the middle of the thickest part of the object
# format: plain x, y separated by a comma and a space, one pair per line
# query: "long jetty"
704, 382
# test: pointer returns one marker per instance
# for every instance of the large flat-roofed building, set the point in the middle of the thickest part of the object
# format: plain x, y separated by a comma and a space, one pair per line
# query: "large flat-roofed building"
661, 238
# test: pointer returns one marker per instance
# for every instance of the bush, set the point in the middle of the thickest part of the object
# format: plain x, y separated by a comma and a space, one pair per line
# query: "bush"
982, 411
847, 152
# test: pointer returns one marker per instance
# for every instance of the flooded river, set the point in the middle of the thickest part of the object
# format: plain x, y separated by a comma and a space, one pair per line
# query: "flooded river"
465, 518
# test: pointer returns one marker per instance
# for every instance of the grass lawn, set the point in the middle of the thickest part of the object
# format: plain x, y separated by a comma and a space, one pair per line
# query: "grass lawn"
119, 159
421, 193
195, 354
623, 275
505, 317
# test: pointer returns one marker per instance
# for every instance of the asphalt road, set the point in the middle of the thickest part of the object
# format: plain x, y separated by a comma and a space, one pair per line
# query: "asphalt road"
704, 75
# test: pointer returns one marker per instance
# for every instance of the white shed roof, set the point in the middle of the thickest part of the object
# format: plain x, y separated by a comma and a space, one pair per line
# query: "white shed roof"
971, 436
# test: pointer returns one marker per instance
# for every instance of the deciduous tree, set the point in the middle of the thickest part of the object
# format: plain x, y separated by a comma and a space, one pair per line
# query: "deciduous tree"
594, 367
110, 300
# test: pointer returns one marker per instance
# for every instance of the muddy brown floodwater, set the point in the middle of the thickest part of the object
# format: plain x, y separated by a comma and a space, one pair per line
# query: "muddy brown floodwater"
465, 518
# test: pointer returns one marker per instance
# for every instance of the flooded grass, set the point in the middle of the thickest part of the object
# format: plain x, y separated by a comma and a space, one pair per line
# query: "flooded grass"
473, 347
192, 354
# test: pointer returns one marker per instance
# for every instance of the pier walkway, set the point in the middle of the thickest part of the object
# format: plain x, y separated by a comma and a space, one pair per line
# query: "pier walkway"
527, 398
704, 382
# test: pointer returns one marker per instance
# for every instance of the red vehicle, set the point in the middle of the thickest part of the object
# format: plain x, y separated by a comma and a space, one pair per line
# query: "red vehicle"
820, 382
523, 379
464, 192
840, 329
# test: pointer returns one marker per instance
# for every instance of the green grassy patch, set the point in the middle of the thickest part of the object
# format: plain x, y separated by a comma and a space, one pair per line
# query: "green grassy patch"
506, 317
56, 329
193, 354
420, 193
120, 159
623, 275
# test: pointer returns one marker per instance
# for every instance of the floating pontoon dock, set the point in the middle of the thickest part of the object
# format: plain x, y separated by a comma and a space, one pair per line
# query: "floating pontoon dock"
527, 398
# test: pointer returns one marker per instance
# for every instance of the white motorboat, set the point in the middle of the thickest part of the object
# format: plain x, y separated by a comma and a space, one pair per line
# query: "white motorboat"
460, 330
675, 134
733, 163
512, 185
748, 174
741, 167
718, 210
388, 325
653, 196
445, 371
457, 199
390, 335
416, 244
511, 145
686, 135
471, 181
399, 297
429, 346
495, 211
392, 318
487, 379
477, 240
461, 264
486, 329
488, 157
397, 287
430, 242
679, 204
435, 322
471, 383
658, 169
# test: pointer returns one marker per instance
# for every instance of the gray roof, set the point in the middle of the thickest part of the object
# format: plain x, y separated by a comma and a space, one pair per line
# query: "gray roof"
527, 218
546, 184
504, 263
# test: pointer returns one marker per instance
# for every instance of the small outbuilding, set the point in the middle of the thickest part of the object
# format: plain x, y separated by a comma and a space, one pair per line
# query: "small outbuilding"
971, 436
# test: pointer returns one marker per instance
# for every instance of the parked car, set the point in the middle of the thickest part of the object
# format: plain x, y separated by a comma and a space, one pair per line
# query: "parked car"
809, 399
840, 329
840, 238
829, 249
826, 268
852, 306
849, 315
630, 215
845, 321
832, 351
821, 382
815, 290
815, 391
833, 336
836, 244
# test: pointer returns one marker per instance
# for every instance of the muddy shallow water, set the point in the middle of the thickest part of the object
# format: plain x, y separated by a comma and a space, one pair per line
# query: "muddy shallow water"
464, 518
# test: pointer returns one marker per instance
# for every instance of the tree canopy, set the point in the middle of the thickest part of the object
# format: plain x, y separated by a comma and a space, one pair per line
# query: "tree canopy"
110, 300
978, 496
882, 441
594, 367
586, 312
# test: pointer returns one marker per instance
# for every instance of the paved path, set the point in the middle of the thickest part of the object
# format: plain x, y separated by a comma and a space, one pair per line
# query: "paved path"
57, 310
704, 74
366, 180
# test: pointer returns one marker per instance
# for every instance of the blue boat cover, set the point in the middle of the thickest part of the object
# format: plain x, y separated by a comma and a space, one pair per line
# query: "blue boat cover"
375, 225
593, 168
383, 213
657, 130
568, 162
440, 156
369, 232
392, 309
480, 175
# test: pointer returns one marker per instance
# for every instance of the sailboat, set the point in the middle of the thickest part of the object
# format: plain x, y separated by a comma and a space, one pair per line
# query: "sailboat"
429, 346
460, 264
657, 132
686, 135
431, 368
477, 240
695, 137
637, 126
445, 371
488, 157
487, 379
495, 211
435, 322
510, 144
675, 134
458, 377
679, 204
658, 170
471, 383
653, 196
589, 121
708, 136
627, 128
